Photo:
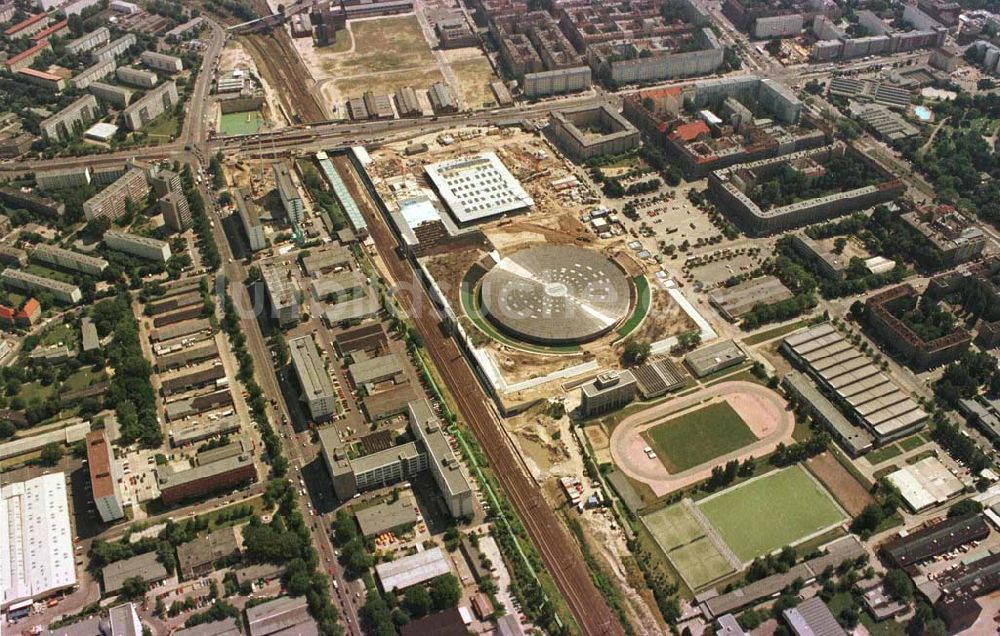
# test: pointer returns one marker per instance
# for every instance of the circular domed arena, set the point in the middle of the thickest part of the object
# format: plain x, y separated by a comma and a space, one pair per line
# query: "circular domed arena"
555, 295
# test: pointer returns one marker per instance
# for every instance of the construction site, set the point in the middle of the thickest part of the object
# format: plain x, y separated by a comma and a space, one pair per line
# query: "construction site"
456, 249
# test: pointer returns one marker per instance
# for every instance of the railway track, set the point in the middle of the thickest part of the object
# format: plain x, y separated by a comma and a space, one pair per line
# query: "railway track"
284, 71
558, 550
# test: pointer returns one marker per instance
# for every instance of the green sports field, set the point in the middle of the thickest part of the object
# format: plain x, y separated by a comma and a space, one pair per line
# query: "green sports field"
765, 514
683, 541
700, 436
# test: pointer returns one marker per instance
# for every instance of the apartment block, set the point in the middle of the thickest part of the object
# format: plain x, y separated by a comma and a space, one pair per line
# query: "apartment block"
317, 389
63, 178
96, 72
283, 293
70, 120
68, 259
88, 41
19, 279
48, 82
118, 96
161, 62
104, 477
142, 246
113, 49
136, 77
289, 194
249, 213
110, 202
26, 57
150, 106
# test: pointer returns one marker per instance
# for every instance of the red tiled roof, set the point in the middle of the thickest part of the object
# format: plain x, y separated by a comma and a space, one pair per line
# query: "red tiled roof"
47, 31
39, 74
102, 484
6, 313
27, 53
23, 24
30, 308
690, 131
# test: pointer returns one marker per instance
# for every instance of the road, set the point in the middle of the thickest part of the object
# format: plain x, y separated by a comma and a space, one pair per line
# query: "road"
557, 548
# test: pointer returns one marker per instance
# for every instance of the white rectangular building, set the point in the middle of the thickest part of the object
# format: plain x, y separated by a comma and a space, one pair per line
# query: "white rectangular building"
142, 246
317, 389
478, 188
36, 543
412, 570
161, 62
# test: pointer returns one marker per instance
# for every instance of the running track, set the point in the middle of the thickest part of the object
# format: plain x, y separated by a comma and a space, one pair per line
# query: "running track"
558, 549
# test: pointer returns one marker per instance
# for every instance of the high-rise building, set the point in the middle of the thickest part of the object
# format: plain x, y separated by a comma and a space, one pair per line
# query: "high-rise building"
111, 201
104, 476
289, 194
317, 390
173, 203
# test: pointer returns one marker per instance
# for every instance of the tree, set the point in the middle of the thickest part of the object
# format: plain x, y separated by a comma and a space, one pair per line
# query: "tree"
133, 588
898, 585
418, 601
51, 454
445, 591
635, 353
965, 507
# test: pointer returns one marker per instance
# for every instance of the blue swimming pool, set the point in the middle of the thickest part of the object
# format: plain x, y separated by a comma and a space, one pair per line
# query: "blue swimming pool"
923, 113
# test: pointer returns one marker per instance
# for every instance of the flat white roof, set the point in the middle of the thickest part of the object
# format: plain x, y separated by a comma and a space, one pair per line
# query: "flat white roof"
478, 187
36, 546
926, 483
102, 131
411, 570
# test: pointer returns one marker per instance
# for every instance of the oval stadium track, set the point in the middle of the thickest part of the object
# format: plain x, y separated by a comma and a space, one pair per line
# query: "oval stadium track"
558, 549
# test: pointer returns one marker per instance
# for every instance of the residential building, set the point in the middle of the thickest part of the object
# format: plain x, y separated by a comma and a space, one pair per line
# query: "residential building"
151, 105
57, 30
48, 82
198, 557
145, 566
114, 49
26, 199
28, 26
289, 194
117, 96
71, 120
27, 316
587, 132
283, 293
59, 178
141, 246
206, 477
111, 202
88, 41
105, 477
317, 389
161, 62
19, 279
608, 391
68, 259
94, 73
444, 466
249, 213
136, 77
27, 57
173, 202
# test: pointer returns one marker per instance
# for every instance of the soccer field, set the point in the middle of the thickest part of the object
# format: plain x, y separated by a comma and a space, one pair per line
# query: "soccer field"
763, 515
683, 540
700, 436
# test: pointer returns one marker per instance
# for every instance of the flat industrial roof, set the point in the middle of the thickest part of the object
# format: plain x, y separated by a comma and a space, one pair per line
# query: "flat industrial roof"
145, 566
36, 547
412, 570
428, 427
385, 516
373, 369
926, 483
478, 187
309, 368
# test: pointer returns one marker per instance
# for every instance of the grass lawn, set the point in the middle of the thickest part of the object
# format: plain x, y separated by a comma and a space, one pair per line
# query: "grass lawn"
682, 540
80, 380
643, 299
59, 333
31, 391
39, 270
883, 454
761, 516
912, 443
699, 436
164, 127
770, 334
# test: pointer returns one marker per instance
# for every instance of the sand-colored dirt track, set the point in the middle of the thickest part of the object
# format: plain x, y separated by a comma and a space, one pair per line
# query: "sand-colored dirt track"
765, 412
